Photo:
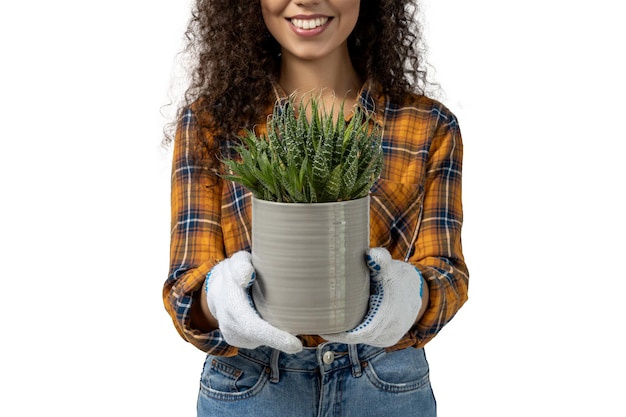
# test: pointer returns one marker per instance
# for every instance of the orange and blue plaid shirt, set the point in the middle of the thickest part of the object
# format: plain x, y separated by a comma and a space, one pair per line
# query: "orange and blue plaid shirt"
416, 213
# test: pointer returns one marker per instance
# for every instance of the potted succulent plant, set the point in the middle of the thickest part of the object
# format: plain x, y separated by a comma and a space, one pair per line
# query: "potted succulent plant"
310, 178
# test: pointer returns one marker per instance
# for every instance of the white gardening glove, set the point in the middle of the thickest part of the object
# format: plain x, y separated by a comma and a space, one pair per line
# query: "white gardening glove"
393, 307
228, 296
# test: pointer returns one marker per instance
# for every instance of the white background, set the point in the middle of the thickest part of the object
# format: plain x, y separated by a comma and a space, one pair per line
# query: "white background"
538, 87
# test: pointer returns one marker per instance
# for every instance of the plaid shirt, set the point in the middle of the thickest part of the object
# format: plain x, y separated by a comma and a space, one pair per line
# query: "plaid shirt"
416, 213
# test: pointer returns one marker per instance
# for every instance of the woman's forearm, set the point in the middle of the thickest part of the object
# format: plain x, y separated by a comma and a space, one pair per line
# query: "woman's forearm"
201, 316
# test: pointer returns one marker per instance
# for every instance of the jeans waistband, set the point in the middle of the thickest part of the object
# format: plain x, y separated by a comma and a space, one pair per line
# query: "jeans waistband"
323, 358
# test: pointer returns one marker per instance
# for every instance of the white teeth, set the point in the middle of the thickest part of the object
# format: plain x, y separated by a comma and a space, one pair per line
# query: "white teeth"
307, 24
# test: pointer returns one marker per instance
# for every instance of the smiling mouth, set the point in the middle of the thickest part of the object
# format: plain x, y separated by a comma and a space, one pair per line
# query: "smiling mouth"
308, 24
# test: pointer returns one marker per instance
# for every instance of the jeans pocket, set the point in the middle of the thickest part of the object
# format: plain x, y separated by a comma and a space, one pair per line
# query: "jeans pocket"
399, 371
231, 378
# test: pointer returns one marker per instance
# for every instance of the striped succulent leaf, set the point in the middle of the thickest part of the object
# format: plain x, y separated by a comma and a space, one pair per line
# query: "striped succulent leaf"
309, 159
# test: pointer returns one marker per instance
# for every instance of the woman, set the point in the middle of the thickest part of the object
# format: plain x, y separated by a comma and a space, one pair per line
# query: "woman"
248, 55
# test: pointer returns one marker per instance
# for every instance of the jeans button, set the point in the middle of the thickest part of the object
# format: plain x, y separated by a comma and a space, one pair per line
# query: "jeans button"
328, 357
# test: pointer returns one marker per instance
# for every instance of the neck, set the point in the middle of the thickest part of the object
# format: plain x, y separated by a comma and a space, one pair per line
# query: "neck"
333, 78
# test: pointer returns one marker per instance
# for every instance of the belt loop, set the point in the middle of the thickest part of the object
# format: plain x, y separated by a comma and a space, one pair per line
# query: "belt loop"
353, 351
274, 374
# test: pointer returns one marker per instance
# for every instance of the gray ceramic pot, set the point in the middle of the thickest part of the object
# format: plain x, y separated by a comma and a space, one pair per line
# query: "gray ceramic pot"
310, 263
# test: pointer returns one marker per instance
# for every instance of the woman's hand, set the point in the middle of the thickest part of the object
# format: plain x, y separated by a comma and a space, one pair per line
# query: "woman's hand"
394, 306
229, 301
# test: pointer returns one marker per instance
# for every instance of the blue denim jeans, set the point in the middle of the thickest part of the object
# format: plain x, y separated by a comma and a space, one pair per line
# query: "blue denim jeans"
331, 380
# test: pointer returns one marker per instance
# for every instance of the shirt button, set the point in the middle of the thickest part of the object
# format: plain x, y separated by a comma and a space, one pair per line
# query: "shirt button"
328, 357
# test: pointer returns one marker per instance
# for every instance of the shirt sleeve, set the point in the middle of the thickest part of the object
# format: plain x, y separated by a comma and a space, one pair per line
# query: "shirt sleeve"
196, 237
438, 252
436, 249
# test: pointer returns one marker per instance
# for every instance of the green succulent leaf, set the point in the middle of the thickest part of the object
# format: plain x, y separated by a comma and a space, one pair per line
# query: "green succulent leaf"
309, 155
350, 170
333, 186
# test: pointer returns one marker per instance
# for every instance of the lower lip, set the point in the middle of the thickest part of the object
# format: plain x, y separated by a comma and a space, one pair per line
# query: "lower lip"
309, 32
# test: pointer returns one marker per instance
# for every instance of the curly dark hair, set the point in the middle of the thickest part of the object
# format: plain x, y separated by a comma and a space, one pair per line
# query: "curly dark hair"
234, 59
